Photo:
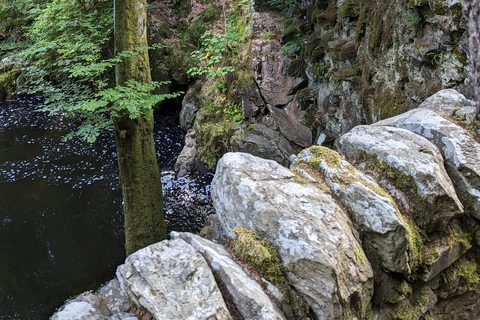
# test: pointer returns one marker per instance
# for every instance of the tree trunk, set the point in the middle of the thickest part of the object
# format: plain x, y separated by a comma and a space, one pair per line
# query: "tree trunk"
139, 172
471, 11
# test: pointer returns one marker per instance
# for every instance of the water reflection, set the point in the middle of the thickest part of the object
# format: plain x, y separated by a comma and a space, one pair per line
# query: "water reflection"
61, 224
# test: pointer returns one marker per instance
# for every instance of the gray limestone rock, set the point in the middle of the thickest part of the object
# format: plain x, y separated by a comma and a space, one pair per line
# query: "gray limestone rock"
370, 207
247, 295
461, 151
322, 258
78, 310
172, 281
408, 155
451, 103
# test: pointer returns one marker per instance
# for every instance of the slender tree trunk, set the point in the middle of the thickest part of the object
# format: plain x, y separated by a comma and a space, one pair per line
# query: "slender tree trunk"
471, 11
139, 172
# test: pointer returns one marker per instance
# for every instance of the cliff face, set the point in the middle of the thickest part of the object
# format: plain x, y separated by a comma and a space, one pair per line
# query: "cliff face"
369, 60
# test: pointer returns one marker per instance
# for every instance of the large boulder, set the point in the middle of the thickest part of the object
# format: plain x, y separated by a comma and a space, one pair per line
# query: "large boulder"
370, 207
172, 281
247, 295
461, 151
413, 164
261, 141
452, 103
323, 259
110, 302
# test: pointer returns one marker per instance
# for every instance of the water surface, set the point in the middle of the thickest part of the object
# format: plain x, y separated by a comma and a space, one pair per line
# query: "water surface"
61, 224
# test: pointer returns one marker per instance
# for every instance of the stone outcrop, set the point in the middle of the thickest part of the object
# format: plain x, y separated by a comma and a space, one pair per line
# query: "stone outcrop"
111, 302
261, 141
370, 207
153, 279
249, 298
414, 164
460, 150
322, 258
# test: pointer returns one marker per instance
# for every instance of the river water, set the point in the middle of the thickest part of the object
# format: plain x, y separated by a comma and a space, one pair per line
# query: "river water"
61, 223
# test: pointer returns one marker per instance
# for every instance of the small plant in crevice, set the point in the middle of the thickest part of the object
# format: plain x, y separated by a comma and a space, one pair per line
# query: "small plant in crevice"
435, 57
412, 20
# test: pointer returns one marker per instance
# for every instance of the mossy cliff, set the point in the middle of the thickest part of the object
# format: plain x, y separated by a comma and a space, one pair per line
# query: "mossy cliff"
369, 60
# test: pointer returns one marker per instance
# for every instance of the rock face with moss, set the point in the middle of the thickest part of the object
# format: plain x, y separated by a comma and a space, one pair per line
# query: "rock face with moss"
370, 207
322, 258
369, 60
461, 151
416, 166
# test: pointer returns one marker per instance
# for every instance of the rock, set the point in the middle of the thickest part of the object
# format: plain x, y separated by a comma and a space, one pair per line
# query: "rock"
172, 281
451, 103
461, 151
322, 258
263, 142
288, 124
247, 295
414, 164
269, 65
371, 208
110, 301
252, 102
78, 310
115, 299
186, 160
447, 254
190, 107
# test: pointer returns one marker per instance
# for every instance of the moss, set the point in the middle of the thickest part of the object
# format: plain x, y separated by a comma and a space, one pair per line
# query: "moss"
405, 289
360, 255
465, 270
455, 234
153, 292
348, 51
263, 257
408, 311
349, 9
389, 104
294, 27
244, 79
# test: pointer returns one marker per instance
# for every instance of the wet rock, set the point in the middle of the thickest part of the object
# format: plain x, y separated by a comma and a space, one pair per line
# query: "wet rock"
416, 166
172, 281
322, 258
263, 142
371, 208
247, 295
461, 151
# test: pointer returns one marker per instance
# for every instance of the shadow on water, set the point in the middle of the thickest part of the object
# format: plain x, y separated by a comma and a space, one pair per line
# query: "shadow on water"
61, 223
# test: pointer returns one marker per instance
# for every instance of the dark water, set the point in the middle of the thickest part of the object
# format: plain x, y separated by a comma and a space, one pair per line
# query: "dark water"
61, 227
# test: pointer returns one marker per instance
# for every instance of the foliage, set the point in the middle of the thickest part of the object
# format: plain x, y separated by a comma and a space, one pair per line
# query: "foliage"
71, 65
412, 20
211, 54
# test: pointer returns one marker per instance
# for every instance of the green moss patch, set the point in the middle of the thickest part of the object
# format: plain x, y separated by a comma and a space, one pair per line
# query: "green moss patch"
259, 254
